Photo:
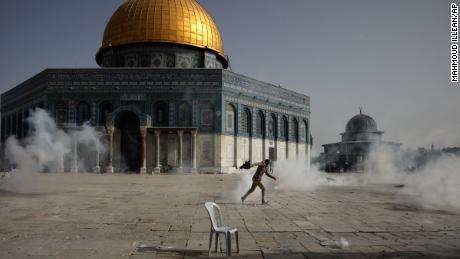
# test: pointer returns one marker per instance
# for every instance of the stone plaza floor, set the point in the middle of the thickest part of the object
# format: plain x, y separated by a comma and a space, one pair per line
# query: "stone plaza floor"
162, 216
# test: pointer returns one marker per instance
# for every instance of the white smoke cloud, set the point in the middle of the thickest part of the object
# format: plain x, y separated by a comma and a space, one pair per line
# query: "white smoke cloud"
436, 185
295, 175
47, 146
292, 175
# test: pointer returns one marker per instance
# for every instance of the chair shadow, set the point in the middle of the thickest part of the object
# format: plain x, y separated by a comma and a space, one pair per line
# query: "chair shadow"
174, 251
190, 253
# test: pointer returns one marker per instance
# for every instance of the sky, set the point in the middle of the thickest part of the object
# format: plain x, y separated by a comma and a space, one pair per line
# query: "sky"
390, 57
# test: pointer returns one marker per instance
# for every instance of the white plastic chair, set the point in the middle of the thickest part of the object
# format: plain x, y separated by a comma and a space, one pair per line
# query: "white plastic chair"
218, 227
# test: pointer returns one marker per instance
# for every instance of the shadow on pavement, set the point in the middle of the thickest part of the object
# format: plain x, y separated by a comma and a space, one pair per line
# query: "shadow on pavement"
156, 252
8, 193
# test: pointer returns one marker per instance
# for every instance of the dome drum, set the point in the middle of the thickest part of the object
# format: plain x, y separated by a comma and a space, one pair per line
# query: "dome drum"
362, 136
159, 55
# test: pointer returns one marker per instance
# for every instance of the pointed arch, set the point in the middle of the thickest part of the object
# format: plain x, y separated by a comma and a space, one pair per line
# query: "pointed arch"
231, 120
161, 114
246, 123
61, 112
83, 112
295, 129
284, 130
105, 108
184, 116
260, 124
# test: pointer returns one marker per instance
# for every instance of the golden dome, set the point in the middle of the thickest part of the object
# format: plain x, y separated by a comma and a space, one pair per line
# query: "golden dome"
172, 21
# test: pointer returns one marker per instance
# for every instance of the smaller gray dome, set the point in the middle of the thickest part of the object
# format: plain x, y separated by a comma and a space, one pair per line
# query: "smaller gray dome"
361, 123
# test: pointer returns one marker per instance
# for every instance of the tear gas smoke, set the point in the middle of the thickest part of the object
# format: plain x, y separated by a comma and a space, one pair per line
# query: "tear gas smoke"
436, 185
48, 146
342, 243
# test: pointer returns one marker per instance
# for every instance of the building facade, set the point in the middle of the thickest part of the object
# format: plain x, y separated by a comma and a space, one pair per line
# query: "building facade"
361, 136
164, 99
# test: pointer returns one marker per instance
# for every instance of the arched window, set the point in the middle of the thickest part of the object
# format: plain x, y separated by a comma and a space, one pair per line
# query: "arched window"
14, 124
295, 129
260, 124
84, 113
246, 123
305, 131
20, 124
26, 123
207, 116
8, 126
284, 128
231, 120
61, 112
3, 129
161, 116
184, 116
105, 108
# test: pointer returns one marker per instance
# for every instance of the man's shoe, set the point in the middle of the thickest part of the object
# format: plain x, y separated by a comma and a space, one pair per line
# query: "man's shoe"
242, 200
264, 202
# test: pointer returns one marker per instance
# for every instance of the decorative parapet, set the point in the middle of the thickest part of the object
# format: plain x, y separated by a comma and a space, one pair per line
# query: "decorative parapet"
261, 90
134, 75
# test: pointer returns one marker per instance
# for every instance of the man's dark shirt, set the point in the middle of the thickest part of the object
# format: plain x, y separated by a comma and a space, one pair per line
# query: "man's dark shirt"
261, 170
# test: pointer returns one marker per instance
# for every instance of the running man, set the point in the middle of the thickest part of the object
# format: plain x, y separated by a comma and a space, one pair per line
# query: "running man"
262, 168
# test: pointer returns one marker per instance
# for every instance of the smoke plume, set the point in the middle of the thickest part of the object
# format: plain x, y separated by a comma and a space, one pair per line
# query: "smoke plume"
48, 148
434, 185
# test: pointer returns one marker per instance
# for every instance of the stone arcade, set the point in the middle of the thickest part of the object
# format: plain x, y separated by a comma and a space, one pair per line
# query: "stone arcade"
164, 98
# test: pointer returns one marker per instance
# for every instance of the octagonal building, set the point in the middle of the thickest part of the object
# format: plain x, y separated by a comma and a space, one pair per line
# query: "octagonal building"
164, 98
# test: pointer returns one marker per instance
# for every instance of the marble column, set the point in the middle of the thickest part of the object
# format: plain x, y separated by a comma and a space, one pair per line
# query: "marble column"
235, 151
97, 168
194, 169
287, 149
264, 153
157, 169
61, 164
144, 150
181, 135
110, 131
75, 157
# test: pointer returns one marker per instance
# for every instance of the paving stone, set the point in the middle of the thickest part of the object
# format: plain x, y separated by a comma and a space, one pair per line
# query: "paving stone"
162, 216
